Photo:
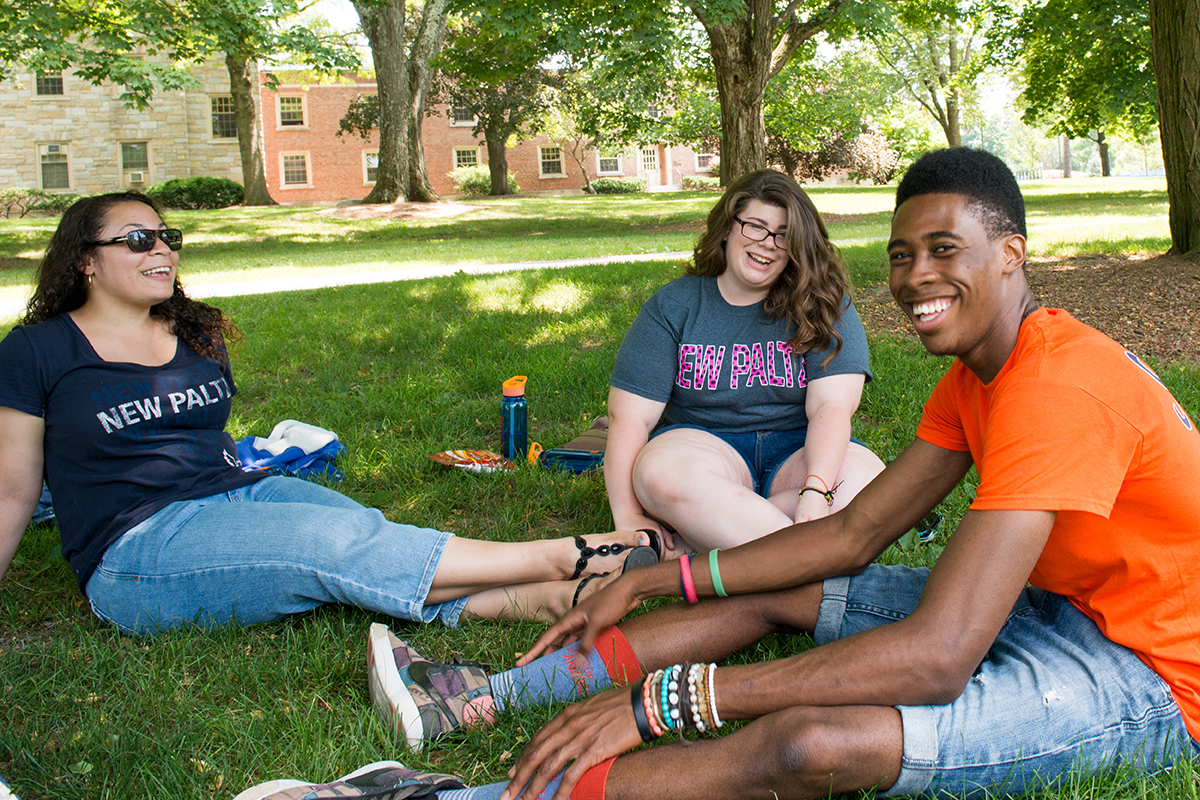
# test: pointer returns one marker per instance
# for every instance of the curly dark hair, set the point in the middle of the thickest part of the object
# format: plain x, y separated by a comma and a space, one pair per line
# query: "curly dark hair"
810, 289
62, 285
977, 175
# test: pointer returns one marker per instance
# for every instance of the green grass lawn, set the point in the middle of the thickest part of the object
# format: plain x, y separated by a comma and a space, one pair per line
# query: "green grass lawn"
401, 371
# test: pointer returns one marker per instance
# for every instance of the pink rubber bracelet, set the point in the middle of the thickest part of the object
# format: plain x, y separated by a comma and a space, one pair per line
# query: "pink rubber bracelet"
685, 575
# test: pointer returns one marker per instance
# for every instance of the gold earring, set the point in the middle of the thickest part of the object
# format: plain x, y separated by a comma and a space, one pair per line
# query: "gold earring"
89, 277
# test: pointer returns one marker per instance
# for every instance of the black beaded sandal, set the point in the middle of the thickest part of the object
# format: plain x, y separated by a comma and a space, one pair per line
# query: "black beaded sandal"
640, 555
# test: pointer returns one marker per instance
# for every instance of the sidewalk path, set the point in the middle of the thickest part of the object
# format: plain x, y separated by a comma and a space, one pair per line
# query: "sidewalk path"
11, 306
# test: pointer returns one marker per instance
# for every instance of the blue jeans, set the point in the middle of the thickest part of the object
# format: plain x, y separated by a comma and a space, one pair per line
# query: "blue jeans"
277, 547
763, 451
1053, 697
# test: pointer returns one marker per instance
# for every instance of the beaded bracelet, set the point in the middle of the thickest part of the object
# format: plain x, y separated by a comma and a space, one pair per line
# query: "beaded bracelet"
639, 712
651, 707
712, 695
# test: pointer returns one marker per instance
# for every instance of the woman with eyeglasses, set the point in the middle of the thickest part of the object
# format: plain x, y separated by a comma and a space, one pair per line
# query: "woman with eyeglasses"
116, 388
731, 400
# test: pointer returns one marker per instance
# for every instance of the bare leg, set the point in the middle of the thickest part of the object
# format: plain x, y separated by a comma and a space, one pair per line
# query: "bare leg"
713, 629
471, 565
547, 601
700, 486
800, 752
859, 467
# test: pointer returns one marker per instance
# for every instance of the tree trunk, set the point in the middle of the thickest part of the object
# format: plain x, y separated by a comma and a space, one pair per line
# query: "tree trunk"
747, 51
1065, 145
383, 26
1175, 32
1102, 146
496, 141
426, 43
249, 132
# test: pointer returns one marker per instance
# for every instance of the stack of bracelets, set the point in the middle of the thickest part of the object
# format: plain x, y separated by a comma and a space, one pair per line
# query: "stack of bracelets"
675, 699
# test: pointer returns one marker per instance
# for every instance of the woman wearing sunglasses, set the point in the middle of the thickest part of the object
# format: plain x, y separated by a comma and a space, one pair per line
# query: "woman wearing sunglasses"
117, 388
732, 394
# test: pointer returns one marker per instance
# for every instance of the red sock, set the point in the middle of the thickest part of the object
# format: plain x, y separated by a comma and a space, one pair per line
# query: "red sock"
617, 655
591, 785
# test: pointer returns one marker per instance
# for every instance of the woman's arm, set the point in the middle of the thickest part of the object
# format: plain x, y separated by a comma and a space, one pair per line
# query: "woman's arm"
20, 477
630, 420
829, 404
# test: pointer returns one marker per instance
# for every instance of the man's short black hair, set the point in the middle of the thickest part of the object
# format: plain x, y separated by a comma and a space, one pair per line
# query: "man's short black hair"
978, 175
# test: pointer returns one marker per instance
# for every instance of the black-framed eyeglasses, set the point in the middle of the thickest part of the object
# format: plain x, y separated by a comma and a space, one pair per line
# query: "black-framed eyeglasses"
142, 239
757, 233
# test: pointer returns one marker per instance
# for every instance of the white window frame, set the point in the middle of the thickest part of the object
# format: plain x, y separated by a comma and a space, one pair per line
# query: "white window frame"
366, 157
308, 170
562, 163
38, 96
126, 171
706, 167
474, 151
601, 158
455, 122
211, 122
66, 150
303, 126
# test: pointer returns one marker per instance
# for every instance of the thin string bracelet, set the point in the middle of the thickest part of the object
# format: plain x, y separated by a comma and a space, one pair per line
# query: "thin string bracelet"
824, 485
715, 572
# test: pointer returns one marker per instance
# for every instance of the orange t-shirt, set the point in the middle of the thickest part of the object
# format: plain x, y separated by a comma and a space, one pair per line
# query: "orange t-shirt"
1074, 423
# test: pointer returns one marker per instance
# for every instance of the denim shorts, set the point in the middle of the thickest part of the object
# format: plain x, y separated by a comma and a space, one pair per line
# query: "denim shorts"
763, 451
276, 547
1053, 698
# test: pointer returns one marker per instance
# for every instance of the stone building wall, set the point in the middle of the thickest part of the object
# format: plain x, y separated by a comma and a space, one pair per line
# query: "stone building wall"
88, 124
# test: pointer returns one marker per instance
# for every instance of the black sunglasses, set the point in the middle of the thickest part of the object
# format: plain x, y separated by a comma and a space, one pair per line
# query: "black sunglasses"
142, 239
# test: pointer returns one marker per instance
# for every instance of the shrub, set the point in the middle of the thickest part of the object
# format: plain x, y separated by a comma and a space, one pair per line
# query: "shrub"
195, 193
478, 181
20, 200
619, 185
696, 182
56, 204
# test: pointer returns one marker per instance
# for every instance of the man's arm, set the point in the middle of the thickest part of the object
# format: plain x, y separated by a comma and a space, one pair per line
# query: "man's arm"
924, 659
20, 477
798, 555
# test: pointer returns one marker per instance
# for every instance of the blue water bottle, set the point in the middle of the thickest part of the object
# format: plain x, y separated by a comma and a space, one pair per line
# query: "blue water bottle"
514, 440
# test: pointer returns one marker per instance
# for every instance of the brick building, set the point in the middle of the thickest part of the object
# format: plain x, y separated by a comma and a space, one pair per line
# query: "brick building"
66, 135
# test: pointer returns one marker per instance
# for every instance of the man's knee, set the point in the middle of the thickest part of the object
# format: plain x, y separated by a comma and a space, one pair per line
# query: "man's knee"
836, 749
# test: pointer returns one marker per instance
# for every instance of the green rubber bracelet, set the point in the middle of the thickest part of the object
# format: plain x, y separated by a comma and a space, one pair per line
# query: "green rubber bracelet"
715, 572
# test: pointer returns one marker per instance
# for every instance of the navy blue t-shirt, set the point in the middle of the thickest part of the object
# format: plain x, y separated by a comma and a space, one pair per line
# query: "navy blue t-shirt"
122, 440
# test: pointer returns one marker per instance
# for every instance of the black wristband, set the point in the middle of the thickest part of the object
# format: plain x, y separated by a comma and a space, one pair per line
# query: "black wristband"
639, 712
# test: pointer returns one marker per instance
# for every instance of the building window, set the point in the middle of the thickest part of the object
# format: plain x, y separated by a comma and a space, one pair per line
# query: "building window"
551, 164
291, 112
55, 165
461, 116
466, 157
704, 162
135, 155
295, 169
650, 159
370, 166
224, 118
45, 84
610, 164
135, 162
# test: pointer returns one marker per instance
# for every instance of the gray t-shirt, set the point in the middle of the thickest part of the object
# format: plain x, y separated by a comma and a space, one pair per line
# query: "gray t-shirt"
726, 367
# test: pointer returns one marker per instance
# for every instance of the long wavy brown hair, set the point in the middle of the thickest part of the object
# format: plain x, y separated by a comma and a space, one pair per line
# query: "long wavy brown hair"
62, 285
810, 289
